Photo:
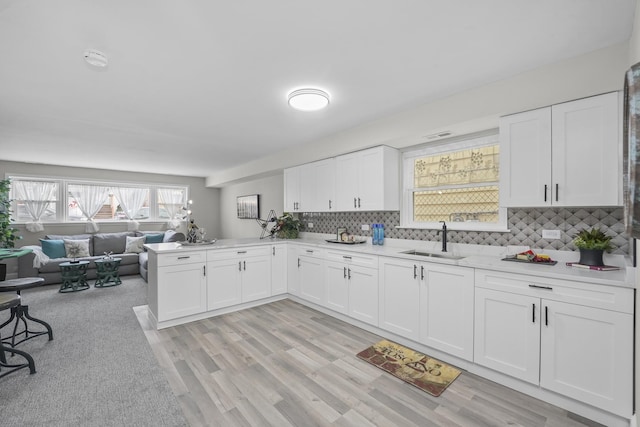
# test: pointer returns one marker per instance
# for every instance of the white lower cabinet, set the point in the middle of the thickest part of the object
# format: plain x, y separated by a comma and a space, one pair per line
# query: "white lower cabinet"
446, 309
400, 297
181, 285
352, 285
573, 338
278, 269
429, 303
237, 276
311, 284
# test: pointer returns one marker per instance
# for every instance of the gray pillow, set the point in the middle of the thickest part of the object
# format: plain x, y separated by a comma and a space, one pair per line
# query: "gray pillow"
172, 236
111, 242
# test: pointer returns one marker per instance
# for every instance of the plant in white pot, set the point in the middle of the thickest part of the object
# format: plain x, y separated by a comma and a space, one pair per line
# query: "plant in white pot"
592, 245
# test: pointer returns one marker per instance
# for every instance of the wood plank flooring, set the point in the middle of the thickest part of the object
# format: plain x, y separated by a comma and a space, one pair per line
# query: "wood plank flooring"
284, 364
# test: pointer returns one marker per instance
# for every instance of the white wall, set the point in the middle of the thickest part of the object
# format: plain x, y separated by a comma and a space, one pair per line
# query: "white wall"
474, 110
271, 191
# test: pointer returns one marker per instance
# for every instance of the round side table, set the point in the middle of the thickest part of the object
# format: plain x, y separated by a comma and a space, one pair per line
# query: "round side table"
74, 276
107, 272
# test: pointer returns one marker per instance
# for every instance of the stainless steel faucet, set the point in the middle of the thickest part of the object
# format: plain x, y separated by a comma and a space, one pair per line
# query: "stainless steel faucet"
444, 236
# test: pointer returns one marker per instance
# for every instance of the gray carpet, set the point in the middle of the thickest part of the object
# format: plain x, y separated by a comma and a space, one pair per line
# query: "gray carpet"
99, 369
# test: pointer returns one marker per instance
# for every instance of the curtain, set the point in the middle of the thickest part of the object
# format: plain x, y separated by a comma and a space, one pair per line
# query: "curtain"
36, 196
90, 199
131, 200
173, 201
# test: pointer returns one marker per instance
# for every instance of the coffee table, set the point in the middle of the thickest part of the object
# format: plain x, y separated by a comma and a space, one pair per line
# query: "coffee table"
74, 276
107, 272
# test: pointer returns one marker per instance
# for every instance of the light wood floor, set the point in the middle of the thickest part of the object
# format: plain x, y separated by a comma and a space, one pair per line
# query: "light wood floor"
284, 364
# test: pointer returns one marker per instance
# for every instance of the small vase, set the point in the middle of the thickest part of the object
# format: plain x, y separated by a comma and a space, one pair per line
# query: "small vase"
591, 257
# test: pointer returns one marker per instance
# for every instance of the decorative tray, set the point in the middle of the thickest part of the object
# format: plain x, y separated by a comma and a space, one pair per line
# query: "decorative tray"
514, 259
349, 242
202, 243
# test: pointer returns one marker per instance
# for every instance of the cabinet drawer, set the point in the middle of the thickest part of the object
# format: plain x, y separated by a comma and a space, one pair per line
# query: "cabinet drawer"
352, 258
181, 258
587, 294
242, 252
311, 251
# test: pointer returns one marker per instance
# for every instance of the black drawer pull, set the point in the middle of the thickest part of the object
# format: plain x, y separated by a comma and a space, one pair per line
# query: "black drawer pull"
533, 316
242, 252
346, 257
184, 257
309, 251
549, 288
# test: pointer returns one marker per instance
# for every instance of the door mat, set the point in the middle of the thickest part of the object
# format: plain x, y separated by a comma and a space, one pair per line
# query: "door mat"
415, 368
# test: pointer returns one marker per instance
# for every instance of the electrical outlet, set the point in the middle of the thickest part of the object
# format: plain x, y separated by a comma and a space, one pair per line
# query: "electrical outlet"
309, 225
551, 234
365, 227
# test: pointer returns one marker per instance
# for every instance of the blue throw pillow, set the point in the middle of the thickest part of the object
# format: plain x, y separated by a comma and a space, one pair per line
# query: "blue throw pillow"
53, 248
154, 238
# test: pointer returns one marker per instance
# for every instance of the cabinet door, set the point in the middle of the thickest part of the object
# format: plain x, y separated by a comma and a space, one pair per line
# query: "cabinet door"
293, 271
337, 286
370, 180
278, 269
182, 291
347, 177
586, 152
311, 274
507, 333
291, 189
525, 158
587, 354
446, 309
256, 278
400, 297
223, 283
363, 294
325, 190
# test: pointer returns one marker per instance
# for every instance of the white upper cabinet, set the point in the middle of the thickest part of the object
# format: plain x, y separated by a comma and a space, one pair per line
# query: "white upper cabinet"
310, 187
569, 154
368, 180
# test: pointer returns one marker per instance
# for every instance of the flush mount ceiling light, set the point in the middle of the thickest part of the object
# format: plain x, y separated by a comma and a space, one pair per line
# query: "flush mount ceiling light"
95, 58
308, 99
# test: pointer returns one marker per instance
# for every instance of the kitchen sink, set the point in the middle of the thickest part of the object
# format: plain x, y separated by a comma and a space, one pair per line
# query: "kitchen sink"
431, 254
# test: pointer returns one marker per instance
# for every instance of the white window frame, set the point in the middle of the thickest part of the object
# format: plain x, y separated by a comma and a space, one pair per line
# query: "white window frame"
445, 146
63, 197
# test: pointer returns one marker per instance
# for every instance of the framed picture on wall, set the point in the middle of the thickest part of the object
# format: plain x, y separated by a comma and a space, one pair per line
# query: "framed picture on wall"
248, 206
631, 151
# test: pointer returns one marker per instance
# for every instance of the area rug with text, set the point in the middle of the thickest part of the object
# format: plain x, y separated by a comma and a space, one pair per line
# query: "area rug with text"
415, 368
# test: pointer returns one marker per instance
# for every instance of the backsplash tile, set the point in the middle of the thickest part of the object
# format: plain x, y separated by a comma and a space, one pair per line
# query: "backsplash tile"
525, 226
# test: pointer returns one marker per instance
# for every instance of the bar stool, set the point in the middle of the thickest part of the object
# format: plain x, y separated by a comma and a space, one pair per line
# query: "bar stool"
20, 312
10, 302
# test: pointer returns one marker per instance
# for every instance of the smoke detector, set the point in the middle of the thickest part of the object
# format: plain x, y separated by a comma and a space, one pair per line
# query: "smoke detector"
95, 58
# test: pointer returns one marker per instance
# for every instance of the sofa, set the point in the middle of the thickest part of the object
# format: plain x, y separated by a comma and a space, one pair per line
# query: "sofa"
125, 245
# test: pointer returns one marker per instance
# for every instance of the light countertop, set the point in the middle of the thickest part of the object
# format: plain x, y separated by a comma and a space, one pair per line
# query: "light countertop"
475, 256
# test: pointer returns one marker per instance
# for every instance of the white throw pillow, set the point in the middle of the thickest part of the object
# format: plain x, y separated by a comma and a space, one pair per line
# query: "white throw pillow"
76, 248
135, 245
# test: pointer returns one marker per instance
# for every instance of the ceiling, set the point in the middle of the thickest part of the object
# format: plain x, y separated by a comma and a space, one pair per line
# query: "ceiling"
194, 87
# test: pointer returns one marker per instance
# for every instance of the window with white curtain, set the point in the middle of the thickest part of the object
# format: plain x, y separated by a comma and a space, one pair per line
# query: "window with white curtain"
59, 200
456, 182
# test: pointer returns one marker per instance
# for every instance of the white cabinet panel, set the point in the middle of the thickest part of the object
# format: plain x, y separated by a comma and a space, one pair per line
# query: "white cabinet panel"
292, 189
278, 269
223, 283
337, 286
400, 297
256, 275
363, 294
587, 354
311, 277
507, 333
182, 291
446, 309
568, 154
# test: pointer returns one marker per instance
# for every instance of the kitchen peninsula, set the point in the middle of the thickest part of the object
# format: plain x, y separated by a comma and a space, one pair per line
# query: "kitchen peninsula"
538, 329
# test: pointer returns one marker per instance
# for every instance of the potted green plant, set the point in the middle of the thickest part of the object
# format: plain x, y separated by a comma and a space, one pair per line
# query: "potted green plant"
592, 244
8, 234
287, 227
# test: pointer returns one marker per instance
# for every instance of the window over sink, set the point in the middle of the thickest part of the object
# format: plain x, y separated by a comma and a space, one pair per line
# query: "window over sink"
456, 181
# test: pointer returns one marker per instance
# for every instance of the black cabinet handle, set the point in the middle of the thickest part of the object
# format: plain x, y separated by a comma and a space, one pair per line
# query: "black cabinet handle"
240, 266
344, 272
545, 192
241, 252
204, 270
349, 273
546, 315
354, 203
329, 204
346, 257
358, 201
273, 250
415, 271
298, 262
184, 257
556, 192
422, 272
533, 313
548, 288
